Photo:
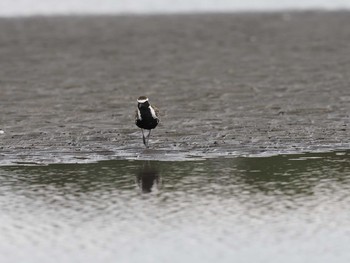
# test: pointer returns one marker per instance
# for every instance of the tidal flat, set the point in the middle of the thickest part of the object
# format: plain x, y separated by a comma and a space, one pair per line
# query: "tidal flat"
226, 84
249, 164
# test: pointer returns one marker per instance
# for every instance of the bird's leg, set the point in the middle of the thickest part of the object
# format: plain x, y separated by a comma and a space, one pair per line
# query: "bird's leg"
148, 136
143, 138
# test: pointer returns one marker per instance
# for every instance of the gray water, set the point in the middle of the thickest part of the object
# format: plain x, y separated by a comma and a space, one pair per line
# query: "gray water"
288, 208
51, 7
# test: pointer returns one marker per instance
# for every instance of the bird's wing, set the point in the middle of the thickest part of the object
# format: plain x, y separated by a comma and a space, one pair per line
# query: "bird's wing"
136, 115
156, 110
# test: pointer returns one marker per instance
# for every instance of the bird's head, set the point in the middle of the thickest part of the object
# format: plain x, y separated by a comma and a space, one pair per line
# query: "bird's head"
142, 102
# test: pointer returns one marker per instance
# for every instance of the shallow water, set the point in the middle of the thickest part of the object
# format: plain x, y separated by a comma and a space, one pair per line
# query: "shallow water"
288, 208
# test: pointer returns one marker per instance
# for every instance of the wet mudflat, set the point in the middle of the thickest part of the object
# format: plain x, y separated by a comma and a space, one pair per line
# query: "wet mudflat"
227, 85
237, 92
289, 208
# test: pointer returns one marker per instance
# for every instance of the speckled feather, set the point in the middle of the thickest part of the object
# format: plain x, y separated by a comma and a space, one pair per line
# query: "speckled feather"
156, 110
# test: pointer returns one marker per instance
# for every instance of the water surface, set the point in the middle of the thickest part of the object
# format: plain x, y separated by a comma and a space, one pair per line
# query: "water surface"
288, 208
51, 7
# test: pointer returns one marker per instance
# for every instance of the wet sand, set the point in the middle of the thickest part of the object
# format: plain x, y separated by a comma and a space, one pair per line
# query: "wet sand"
227, 85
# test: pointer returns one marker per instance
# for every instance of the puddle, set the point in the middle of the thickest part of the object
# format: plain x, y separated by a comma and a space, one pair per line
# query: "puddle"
286, 208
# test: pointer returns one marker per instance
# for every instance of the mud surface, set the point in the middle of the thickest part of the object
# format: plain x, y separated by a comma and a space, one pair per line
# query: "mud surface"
227, 85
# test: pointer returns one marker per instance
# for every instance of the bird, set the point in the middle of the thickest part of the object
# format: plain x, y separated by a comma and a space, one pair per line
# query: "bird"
146, 117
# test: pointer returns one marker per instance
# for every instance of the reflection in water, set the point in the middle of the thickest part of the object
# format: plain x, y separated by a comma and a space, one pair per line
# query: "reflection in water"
287, 208
147, 176
291, 175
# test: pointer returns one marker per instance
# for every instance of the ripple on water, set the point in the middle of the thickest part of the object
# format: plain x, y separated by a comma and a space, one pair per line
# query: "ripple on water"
289, 208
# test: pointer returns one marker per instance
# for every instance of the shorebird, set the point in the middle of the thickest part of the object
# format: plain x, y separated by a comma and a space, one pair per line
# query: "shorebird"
146, 117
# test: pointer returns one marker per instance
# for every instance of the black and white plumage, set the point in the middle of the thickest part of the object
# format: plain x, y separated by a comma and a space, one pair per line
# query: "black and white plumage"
146, 117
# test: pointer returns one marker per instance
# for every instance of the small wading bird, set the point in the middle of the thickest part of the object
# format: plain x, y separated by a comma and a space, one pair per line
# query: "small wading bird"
146, 117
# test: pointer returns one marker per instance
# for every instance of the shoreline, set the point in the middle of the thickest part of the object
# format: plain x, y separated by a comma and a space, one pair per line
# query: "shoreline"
159, 156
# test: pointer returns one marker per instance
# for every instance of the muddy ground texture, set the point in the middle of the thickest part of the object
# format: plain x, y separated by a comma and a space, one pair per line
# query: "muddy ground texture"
227, 85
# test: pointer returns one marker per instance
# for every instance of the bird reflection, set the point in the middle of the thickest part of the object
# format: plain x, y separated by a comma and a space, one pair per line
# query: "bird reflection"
148, 178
